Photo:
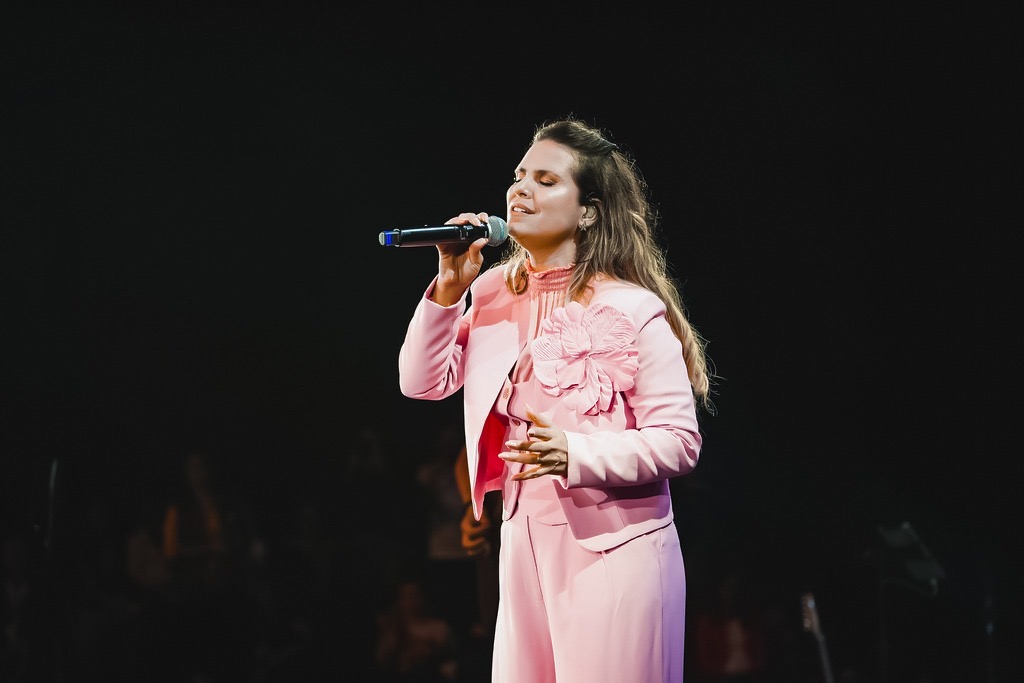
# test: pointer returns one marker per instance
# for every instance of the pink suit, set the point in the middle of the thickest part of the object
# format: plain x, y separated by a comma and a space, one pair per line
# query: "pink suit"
592, 585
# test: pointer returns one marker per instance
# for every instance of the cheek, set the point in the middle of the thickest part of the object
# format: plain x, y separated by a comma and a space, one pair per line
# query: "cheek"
564, 200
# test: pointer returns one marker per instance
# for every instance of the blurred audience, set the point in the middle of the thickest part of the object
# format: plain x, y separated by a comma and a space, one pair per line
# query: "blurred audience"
195, 542
171, 580
413, 644
729, 635
207, 541
480, 539
449, 571
23, 627
305, 635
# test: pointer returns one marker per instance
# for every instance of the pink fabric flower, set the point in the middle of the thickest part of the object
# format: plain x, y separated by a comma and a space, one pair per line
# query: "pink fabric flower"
588, 351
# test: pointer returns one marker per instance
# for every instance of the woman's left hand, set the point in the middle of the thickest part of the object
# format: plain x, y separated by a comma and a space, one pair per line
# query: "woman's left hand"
547, 448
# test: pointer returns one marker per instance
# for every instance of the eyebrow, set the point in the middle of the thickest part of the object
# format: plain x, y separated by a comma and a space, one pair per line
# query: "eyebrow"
539, 171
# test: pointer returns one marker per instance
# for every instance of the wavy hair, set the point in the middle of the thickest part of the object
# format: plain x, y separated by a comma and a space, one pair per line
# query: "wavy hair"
621, 242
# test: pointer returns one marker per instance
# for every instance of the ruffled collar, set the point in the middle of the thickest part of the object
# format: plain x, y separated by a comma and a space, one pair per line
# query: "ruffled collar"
550, 280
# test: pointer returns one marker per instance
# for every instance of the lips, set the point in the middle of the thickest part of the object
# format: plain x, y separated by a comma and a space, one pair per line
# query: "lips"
520, 209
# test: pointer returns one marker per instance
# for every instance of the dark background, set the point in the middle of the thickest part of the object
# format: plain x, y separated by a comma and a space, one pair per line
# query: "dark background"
190, 260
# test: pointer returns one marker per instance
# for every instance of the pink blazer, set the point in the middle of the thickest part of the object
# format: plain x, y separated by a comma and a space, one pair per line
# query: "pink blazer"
613, 380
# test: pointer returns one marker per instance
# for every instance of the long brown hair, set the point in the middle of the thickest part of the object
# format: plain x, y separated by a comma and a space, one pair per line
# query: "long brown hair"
621, 242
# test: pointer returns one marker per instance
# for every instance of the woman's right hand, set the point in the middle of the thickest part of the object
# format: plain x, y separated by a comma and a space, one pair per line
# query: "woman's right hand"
459, 264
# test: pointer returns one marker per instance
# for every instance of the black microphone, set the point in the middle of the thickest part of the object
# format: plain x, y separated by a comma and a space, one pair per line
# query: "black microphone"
496, 231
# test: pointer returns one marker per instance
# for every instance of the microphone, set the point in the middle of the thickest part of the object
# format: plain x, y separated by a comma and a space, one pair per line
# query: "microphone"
496, 231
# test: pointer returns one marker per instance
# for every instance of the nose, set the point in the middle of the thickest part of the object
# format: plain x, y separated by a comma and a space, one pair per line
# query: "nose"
514, 191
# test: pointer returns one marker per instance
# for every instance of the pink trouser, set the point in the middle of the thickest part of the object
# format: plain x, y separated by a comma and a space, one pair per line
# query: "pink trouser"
571, 615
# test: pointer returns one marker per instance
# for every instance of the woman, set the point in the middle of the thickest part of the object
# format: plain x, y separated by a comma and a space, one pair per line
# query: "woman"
581, 379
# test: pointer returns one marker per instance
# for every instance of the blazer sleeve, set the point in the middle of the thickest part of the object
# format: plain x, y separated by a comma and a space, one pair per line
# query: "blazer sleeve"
430, 358
662, 438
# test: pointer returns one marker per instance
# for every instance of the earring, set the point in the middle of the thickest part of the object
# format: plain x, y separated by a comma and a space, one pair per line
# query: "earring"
588, 213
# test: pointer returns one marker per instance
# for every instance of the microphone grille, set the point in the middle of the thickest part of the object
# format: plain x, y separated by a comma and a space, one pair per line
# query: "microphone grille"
498, 231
